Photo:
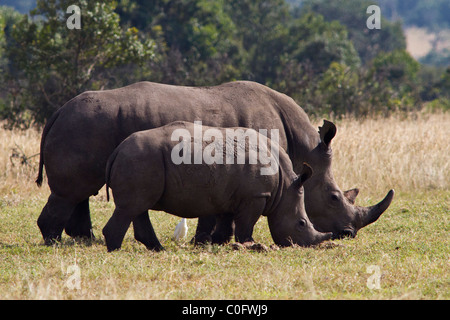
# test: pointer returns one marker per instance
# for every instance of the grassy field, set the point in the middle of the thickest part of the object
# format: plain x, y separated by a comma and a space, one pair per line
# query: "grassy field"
404, 255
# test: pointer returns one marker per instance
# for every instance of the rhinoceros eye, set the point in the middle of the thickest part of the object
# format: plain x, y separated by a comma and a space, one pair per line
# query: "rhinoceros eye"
335, 197
302, 222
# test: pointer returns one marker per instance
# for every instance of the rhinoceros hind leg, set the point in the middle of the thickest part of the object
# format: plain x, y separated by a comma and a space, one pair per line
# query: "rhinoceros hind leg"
116, 228
79, 224
54, 217
144, 232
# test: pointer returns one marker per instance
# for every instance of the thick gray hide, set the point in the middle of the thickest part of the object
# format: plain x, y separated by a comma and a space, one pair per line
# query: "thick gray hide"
80, 136
143, 175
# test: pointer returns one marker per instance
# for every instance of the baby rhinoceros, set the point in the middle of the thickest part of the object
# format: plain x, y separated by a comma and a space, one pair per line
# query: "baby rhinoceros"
192, 171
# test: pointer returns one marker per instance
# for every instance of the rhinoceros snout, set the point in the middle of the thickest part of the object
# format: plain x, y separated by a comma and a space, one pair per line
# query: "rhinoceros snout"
327, 236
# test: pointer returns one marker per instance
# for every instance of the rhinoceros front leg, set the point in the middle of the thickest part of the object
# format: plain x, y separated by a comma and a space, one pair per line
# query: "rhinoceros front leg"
246, 218
79, 224
205, 227
144, 232
224, 229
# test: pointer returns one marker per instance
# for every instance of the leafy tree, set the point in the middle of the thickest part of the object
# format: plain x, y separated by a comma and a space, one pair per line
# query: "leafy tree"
388, 84
444, 83
340, 90
2, 38
263, 31
320, 53
437, 58
397, 67
435, 87
196, 39
50, 63
352, 14
8, 18
392, 81
313, 44
320, 42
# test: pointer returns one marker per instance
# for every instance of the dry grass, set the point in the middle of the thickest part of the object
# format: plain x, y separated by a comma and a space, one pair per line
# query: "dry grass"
19, 161
409, 243
407, 153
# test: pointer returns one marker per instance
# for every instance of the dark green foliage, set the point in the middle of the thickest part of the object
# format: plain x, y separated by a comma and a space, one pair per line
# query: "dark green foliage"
352, 14
321, 53
50, 64
196, 39
429, 14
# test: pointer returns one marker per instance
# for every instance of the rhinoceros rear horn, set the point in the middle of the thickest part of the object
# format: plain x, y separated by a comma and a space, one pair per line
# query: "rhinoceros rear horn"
327, 132
371, 214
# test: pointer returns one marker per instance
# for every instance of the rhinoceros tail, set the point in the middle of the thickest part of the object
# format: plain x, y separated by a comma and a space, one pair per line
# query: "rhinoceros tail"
47, 128
109, 165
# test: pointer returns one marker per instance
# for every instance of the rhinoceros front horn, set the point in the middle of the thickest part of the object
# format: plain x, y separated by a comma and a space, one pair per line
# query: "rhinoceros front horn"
369, 215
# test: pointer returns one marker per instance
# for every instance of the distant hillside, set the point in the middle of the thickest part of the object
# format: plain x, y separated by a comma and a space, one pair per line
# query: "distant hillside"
23, 6
426, 25
430, 14
420, 42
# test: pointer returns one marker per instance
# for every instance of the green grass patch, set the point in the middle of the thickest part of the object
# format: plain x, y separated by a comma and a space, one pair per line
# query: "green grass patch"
408, 247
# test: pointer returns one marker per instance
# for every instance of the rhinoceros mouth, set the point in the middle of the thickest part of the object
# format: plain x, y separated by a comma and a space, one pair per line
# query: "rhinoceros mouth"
346, 233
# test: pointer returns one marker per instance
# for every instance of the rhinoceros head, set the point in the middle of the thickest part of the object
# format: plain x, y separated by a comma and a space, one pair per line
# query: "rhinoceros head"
289, 223
330, 209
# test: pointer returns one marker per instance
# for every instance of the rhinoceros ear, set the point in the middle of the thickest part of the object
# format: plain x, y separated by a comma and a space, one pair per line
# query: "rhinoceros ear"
303, 176
327, 132
351, 195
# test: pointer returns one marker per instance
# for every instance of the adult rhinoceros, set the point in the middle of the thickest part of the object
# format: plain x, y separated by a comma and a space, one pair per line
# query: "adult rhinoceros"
78, 139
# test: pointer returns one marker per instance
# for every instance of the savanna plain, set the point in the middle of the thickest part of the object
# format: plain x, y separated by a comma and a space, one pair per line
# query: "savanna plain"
403, 255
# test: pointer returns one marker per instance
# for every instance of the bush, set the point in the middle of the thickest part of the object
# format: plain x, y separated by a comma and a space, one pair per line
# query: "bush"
437, 105
50, 64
